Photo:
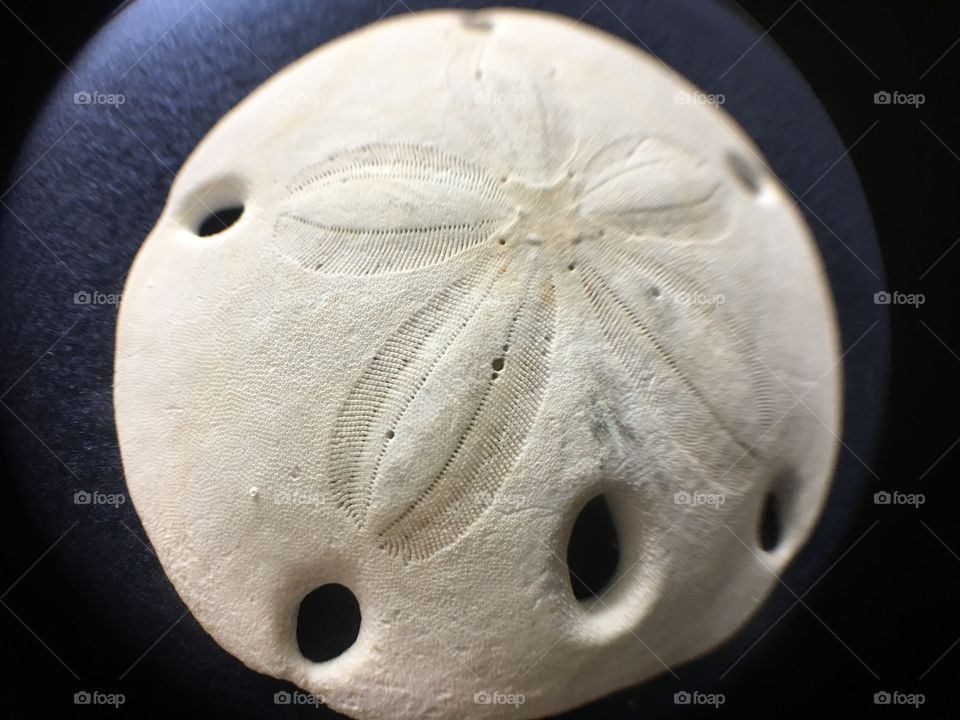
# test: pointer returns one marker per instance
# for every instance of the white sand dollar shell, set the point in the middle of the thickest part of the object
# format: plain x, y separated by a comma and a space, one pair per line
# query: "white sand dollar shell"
487, 268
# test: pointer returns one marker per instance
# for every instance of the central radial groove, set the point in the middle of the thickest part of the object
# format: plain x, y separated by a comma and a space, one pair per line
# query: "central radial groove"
546, 214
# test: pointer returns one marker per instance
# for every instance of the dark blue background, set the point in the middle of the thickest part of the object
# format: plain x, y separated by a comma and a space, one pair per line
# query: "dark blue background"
76, 214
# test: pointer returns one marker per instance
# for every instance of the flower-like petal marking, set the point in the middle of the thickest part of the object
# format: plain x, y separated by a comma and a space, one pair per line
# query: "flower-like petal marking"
641, 190
493, 432
419, 476
417, 469
309, 397
421, 207
650, 187
530, 125
389, 383
662, 343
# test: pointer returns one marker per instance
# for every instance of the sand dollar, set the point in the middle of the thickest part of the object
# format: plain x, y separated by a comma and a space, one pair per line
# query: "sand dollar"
480, 269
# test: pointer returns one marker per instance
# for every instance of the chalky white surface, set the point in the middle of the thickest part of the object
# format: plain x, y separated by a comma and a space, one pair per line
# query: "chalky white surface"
316, 395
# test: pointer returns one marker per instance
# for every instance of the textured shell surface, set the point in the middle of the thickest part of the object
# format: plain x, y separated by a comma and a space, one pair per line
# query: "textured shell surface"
489, 266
